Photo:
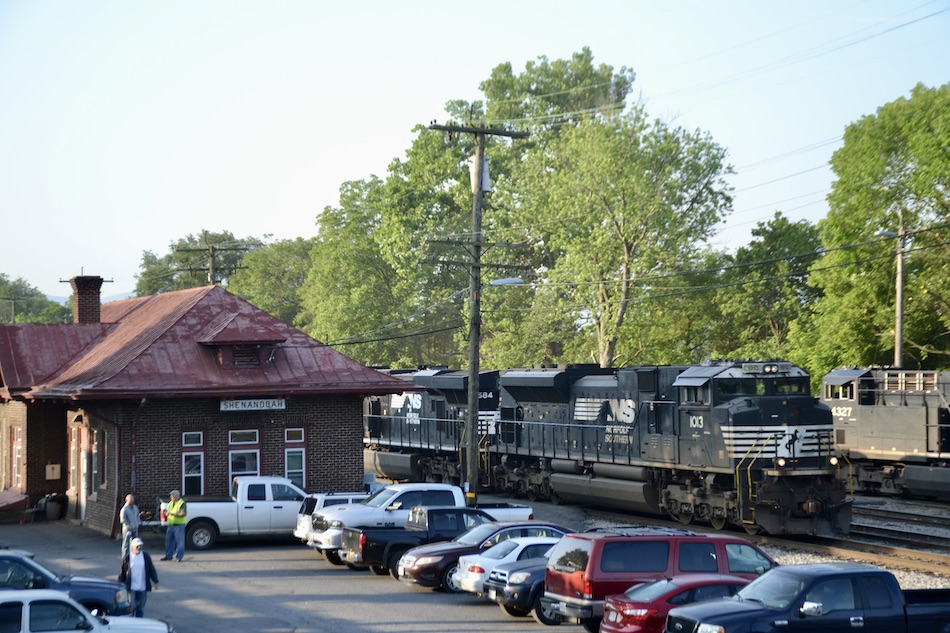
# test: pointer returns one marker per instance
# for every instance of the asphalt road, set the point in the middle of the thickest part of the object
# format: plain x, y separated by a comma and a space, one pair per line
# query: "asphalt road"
276, 585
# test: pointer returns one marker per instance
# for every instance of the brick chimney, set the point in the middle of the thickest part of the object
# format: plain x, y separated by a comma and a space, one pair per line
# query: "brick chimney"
86, 300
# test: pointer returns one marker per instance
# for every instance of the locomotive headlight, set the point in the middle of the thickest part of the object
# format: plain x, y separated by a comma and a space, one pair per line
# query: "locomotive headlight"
833, 461
780, 462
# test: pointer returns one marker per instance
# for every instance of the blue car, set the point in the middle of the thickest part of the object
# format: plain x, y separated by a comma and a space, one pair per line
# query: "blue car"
18, 570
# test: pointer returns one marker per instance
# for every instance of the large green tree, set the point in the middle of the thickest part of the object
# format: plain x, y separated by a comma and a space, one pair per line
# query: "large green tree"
618, 198
271, 277
892, 175
353, 297
764, 290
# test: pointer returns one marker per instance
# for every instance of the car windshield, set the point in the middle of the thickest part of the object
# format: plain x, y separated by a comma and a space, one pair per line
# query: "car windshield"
379, 498
477, 534
775, 589
501, 550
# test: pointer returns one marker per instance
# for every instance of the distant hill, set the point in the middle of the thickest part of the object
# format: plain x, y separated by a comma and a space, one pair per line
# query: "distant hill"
65, 300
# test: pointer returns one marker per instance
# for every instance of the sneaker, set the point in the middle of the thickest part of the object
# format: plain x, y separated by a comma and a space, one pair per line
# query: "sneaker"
166, 558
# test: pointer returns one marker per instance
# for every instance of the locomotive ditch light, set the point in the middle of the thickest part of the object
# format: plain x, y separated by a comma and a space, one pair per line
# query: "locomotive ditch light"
780, 462
833, 461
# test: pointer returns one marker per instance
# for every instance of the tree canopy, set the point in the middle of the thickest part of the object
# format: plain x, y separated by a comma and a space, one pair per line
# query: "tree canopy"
605, 213
22, 303
892, 176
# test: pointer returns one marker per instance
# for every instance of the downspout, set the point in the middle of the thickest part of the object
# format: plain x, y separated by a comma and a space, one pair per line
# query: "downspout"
118, 460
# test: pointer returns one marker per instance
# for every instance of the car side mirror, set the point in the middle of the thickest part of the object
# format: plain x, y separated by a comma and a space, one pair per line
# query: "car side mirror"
811, 609
38, 583
394, 506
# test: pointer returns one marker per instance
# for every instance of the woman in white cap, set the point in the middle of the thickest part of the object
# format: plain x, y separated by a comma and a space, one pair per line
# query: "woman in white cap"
139, 575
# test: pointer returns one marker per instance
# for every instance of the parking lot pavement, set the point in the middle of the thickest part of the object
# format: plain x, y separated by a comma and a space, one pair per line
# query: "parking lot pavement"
276, 585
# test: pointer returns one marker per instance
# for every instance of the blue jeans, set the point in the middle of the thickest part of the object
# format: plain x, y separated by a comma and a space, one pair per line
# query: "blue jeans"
139, 598
175, 541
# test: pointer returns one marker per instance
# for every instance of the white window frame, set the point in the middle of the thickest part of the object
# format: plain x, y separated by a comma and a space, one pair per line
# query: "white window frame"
231, 454
189, 442
233, 434
291, 440
185, 476
301, 481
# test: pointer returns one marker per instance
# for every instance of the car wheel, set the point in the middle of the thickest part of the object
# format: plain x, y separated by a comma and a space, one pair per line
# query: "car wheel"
333, 558
449, 583
514, 611
544, 616
394, 565
379, 570
201, 535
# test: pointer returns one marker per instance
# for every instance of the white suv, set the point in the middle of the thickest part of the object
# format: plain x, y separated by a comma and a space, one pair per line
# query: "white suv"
316, 502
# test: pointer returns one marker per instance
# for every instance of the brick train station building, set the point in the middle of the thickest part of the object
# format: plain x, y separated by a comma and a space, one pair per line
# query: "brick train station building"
182, 390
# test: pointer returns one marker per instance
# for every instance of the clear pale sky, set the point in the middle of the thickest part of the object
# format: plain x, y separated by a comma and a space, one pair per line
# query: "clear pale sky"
128, 124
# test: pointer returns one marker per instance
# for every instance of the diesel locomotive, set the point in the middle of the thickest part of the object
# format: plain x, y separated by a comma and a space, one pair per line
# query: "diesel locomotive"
725, 443
892, 427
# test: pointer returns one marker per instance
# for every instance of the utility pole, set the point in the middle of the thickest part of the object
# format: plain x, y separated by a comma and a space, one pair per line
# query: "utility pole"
212, 249
470, 435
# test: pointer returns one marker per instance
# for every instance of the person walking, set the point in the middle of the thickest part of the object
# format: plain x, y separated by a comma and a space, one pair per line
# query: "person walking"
130, 519
139, 576
177, 514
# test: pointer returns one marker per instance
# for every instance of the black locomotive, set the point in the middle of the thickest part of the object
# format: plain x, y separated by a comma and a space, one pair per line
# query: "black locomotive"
892, 427
722, 442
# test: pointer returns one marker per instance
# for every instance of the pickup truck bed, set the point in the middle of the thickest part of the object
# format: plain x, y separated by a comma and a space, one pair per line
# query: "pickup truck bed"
381, 548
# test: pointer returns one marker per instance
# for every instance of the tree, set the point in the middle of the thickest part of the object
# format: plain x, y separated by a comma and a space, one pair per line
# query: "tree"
272, 276
620, 198
353, 297
892, 173
764, 289
193, 261
22, 303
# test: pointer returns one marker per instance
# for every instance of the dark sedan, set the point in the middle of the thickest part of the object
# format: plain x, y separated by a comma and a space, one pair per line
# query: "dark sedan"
643, 608
434, 565
18, 570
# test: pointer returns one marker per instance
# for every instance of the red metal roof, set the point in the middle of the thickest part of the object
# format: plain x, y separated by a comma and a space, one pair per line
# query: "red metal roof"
167, 345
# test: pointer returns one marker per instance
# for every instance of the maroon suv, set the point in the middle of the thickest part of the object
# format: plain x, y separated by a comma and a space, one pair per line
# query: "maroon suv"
434, 565
586, 567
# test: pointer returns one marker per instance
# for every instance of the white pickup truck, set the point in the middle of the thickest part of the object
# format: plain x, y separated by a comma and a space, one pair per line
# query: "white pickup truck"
389, 507
50, 610
258, 506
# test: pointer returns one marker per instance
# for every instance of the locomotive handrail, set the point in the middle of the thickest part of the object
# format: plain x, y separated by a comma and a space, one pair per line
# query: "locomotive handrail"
748, 474
844, 456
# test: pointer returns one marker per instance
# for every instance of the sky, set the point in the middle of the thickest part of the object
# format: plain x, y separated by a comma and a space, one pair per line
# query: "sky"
127, 125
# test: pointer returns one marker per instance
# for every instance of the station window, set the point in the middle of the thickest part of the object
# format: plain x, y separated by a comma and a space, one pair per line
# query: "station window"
192, 474
192, 438
294, 466
244, 463
293, 435
246, 436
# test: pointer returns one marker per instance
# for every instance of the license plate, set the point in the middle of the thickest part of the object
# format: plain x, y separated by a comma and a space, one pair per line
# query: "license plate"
491, 594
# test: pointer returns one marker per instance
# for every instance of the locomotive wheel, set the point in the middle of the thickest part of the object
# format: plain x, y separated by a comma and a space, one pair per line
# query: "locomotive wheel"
532, 493
717, 522
751, 528
681, 517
